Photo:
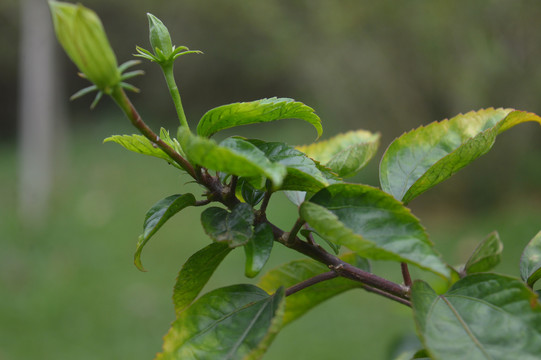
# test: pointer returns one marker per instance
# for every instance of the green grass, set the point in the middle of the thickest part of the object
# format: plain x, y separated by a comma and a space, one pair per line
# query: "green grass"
69, 289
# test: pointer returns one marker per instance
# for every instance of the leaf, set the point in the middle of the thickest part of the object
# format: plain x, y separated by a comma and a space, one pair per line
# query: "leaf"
530, 261
373, 224
234, 227
164, 135
195, 273
234, 322
141, 145
303, 174
158, 214
297, 271
245, 191
345, 154
258, 249
482, 316
486, 256
259, 111
233, 156
424, 157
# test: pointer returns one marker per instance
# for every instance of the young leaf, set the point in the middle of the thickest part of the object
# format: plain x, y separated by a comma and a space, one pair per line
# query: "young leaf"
158, 214
248, 193
530, 261
303, 173
234, 322
426, 156
486, 256
345, 154
164, 135
258, 249
233, 156
195, 273
373, 224
297, 271
482, 316
141, 145
234, 227
265, 110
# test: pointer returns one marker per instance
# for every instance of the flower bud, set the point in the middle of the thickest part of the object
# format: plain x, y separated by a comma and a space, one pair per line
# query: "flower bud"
81, 34
160, 40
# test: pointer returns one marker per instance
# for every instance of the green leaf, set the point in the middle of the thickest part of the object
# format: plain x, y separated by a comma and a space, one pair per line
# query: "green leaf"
141, 145
164, 135
345, 154
426, 156
482, 316
303, 174
530, 261
158, 214
248, 193
259, 111
234, 227
234, 322
258, 249
373, 224
486, 256
233, 156
297, 271
195, 273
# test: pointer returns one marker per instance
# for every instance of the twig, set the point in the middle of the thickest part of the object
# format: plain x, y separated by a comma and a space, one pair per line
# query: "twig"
309, 282
406, 274
292, 236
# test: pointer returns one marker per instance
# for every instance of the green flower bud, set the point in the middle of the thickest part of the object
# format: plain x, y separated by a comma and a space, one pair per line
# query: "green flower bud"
160, 40
81, 34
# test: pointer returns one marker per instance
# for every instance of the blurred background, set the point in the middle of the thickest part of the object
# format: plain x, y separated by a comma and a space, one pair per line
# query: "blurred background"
71, 208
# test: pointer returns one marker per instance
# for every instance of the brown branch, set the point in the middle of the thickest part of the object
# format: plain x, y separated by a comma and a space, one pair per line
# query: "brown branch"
312, 281
406, 274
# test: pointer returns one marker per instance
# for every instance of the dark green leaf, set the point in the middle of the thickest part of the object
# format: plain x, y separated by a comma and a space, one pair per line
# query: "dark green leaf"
265, 110
195, 273
530, 261
248, 193
235, 322
234, 227
371, 223
486, 256
345, 154
141, 145
426, 156
233, 156
482, 316
258, 249
297, 271
158, 214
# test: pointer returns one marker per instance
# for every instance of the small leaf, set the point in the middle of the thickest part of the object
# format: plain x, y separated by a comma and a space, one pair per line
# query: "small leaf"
258, 249
345, 154
233, 156
297, 271
248, 193
530, 261
234, 227
141, 145
158, 214
234, 322
486, 256
265, 110
482, 316
195, 273
373, 224
424, 157
164, 135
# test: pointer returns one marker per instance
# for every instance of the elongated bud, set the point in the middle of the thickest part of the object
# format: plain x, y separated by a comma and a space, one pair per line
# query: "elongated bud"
159, 38
81, 34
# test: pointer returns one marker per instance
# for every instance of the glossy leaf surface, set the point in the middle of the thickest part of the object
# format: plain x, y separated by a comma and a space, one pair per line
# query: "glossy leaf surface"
371, 223
486, 256
258, 249
482, 316
158, 215
426, 156
234, 322
530, 261
196, 272
265, 110
297, 271
345, 154
141, 145
233, 227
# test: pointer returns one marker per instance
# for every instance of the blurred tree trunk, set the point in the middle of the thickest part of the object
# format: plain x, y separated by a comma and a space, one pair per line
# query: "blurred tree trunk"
41, 128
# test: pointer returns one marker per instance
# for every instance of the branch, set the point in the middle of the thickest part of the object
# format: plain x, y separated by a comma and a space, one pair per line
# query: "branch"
406, 274
312, 281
